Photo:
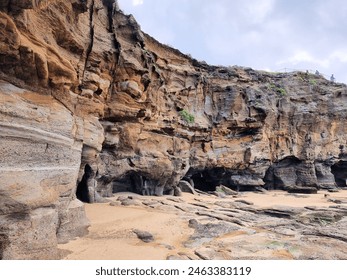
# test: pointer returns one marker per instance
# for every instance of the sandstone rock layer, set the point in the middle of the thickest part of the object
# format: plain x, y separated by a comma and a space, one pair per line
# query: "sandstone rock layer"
91, 105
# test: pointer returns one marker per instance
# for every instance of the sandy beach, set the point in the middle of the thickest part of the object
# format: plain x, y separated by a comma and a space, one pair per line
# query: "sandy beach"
168, 219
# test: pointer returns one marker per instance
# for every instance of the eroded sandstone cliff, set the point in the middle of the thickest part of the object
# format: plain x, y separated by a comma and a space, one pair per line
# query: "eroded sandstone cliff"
91, 105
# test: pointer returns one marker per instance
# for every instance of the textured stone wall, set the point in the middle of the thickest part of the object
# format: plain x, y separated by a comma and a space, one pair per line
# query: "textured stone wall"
91, 104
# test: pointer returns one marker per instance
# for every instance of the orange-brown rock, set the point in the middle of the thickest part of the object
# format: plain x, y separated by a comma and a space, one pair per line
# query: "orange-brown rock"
90, 105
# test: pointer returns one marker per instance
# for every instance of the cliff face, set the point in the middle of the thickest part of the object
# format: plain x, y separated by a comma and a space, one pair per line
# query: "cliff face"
90, 105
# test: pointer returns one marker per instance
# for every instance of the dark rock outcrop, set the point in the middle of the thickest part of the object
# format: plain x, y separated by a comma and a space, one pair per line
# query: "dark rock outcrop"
83, 89
145, 236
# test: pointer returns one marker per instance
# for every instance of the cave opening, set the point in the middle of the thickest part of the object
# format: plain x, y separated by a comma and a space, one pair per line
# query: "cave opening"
339, 170
207, 180
132, 181
203, 182
82, 191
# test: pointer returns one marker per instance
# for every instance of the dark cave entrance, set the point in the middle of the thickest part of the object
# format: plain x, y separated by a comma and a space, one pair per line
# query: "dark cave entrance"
202, 181
208, 179
82, 191
339, 171
132, 181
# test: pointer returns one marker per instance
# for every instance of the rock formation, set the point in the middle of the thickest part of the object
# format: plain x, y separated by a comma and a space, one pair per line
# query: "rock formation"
91, 105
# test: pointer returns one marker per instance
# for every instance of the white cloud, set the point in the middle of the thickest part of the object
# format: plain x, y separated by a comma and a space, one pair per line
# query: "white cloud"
137, 2
304, 57
271, 34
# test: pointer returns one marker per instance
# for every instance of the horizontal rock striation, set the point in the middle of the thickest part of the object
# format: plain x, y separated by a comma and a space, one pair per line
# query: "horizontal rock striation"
90, 105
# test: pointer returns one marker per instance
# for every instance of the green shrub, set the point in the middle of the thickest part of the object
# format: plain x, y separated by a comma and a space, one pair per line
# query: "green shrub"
186, 116
313, 82
279, 90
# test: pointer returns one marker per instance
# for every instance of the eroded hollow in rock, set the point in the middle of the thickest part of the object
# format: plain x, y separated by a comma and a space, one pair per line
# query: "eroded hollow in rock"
339, 171
132, 181
282, 174
135, 182
208, 179
82, 191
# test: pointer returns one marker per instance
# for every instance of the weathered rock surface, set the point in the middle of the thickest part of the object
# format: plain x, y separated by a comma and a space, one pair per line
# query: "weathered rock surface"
234, 230
91, 105
145, 236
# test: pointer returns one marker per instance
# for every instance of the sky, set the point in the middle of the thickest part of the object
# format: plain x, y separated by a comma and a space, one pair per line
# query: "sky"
272, 35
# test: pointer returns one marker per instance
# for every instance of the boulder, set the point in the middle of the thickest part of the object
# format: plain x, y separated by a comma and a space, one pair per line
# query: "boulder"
145, 236
226, 190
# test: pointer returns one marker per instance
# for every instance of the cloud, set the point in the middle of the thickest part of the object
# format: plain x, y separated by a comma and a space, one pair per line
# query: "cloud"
137, 2
304, 57
262, 34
